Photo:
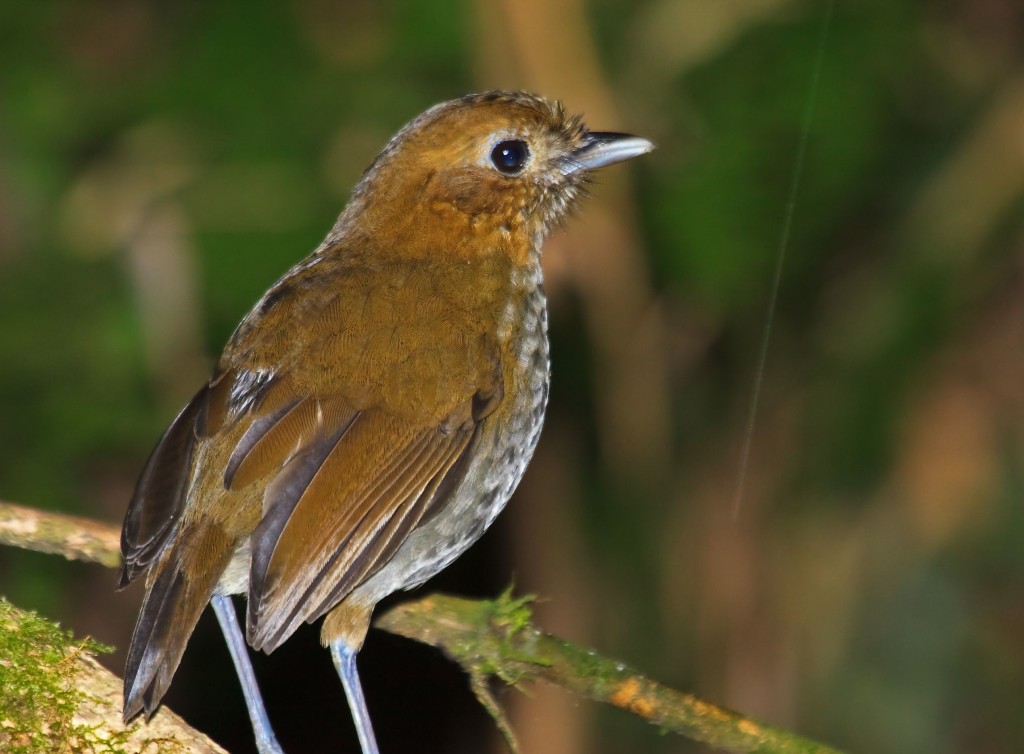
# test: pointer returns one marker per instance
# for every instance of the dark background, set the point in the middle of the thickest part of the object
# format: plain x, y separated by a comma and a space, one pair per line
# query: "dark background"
162, 163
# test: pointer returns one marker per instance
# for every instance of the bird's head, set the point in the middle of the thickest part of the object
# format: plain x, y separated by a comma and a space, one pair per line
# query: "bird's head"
499, 162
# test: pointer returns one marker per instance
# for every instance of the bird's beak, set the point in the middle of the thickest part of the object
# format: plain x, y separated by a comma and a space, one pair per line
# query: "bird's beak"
602, 148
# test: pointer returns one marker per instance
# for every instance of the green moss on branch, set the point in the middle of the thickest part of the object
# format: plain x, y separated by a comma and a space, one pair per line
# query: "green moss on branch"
38, 697
497, 638
56, 699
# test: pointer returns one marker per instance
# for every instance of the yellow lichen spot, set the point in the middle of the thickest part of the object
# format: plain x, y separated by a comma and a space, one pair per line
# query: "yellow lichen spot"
643, 707
749, 727
701, 707
704, 709
625, 693
628, 696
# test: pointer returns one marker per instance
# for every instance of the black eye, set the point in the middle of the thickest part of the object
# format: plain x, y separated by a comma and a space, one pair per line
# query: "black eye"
510, 156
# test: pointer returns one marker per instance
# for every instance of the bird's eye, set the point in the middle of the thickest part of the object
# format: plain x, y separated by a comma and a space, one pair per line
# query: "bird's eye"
509, 157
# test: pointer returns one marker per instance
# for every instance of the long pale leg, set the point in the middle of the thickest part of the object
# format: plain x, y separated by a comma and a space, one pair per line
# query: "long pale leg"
266, 741
345, 662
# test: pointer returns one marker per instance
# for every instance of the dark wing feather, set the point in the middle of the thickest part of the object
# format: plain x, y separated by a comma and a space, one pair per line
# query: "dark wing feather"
169, 613
338, 511
159, 497
161, 491
274, 438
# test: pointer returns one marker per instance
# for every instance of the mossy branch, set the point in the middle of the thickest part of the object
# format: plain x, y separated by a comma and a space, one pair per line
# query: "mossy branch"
56, 698
487, 637
497, 638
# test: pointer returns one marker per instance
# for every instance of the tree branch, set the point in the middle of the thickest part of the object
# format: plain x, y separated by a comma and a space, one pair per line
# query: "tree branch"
55, 696
496, 638
488, 638
59, 534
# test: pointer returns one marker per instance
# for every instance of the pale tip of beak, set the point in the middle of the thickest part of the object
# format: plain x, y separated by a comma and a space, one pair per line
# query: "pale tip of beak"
603, 148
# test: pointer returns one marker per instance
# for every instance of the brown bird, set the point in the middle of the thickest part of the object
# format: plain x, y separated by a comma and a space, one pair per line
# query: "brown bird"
375, 410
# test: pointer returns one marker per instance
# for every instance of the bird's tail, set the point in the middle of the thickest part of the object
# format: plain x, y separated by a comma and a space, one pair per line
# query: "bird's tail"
184, 583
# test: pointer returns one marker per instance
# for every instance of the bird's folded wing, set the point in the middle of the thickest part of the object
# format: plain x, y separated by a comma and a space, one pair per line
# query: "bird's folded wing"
344, 488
